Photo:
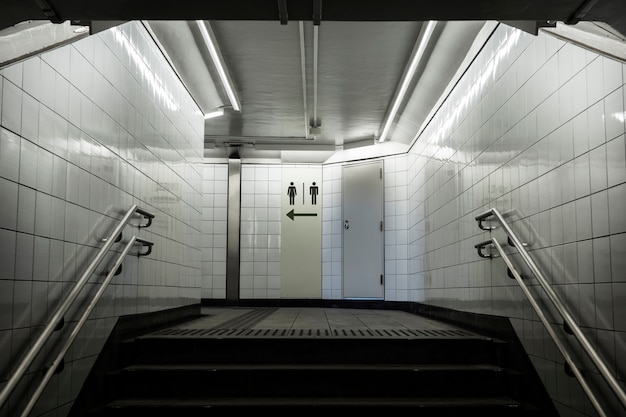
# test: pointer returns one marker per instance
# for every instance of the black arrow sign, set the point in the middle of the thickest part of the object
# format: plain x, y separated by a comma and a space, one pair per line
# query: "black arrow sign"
291, 214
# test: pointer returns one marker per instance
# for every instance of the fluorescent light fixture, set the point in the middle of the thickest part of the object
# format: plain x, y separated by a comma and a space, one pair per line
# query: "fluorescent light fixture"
209, 39
214, 113
417, 57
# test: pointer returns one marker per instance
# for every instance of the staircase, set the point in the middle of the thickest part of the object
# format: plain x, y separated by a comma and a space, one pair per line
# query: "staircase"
195, 373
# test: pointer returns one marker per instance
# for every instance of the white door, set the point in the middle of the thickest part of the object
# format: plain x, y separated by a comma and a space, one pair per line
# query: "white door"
363, 245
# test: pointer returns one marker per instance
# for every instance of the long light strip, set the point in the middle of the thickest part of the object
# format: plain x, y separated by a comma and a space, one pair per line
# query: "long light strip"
217, 59
417, 57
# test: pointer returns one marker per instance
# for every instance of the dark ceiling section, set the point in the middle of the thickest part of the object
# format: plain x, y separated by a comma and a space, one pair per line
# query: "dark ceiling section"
612, 12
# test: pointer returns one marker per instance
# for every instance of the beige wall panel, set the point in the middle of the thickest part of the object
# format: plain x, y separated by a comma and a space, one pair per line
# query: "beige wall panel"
301, 253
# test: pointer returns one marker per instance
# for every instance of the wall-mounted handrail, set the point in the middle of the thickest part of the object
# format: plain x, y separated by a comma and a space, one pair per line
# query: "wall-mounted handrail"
58, 316
556, 301
577, 373
58, 361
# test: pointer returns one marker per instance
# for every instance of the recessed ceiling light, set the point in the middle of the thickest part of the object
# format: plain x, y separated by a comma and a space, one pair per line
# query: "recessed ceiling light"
215, 113
81, 29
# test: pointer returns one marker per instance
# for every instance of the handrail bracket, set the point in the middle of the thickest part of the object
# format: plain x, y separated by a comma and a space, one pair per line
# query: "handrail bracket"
144, 243
479, 247
147, 215
483, 217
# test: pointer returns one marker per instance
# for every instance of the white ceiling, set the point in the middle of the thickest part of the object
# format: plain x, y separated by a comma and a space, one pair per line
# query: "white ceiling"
285, 89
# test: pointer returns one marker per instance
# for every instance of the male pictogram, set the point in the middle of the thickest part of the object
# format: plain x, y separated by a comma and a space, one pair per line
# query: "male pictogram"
313, 190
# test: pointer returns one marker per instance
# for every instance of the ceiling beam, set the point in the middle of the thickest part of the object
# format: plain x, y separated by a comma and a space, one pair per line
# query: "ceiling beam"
283, 16
610, 11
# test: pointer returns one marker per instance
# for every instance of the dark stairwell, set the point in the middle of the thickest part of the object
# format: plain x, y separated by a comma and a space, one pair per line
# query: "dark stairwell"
290, 358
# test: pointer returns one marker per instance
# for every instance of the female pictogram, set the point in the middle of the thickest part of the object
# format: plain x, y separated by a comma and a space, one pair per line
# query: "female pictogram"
291, 192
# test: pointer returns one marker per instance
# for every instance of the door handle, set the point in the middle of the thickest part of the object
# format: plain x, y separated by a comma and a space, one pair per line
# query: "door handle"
346, 225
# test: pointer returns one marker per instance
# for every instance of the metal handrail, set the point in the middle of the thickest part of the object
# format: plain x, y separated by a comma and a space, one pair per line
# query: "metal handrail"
59, 314
579, 376
58, 361
554, 298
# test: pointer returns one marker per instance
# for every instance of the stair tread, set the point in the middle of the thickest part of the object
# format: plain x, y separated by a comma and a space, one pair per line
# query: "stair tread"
198, 373
330, 401
330, 338
320, 367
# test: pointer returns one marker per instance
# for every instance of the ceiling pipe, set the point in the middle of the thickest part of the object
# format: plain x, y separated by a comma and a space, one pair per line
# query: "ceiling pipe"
303, 65
315, 54
250, 139
282, 12
317, 18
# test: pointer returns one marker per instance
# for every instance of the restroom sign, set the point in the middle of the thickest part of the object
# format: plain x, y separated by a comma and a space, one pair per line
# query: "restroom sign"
301, 232
313, 192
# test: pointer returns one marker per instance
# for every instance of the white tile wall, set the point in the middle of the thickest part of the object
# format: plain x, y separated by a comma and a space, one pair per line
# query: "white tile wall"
86, 131
260, 238
396, 230
535, 125
214, 230
332, 232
